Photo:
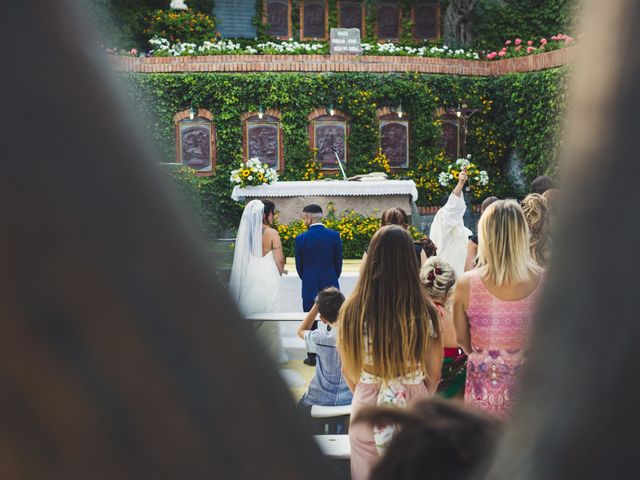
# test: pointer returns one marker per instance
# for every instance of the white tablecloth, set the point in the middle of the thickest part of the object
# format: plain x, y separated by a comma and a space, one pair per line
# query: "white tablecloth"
328, 188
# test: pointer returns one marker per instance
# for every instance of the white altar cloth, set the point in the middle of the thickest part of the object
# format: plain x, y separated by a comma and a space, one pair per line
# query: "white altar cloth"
328, 188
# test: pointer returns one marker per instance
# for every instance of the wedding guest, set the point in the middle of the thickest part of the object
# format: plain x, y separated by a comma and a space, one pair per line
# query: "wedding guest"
541, 184
472, 244
493, 306
439, 280
448, 231
428, 247
397, 216
436, 439
536, 212
551, 196
389, 341
328, 386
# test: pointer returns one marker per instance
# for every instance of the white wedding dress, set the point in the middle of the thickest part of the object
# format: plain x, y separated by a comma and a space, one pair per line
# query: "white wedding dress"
255, 279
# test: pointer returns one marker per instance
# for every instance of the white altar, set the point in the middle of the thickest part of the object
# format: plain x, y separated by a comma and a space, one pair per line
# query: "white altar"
365, 197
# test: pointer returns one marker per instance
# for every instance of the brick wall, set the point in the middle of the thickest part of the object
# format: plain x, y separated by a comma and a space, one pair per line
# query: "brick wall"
342, 63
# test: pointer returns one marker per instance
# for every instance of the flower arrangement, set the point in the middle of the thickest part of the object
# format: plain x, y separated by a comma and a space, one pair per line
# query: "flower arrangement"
474, 174
312, 169
180, 25
519, 47
379, 163
254, 172
170, 47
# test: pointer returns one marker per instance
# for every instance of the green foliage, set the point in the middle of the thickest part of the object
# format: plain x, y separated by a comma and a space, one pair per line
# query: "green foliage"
187, 187
258, 22
181, 26
517, 112
121, 23
495, 21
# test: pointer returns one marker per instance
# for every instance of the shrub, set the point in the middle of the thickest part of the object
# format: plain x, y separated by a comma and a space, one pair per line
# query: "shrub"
181, 26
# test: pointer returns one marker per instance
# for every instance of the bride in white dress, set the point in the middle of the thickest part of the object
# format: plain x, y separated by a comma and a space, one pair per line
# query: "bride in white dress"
258, 263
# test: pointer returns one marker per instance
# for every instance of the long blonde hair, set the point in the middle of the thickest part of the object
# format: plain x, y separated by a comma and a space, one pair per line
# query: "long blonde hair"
536, 212
388, 320
504, 257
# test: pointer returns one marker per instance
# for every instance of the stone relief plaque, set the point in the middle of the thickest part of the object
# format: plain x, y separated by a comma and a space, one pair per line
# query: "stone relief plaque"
278, 18
327, 137
426, 20
450, 137
350, 15
394, 142
195, 145
263, 142
314, 19
388, 20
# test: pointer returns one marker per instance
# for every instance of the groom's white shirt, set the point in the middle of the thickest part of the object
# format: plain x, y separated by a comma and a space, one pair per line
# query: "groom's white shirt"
449, 234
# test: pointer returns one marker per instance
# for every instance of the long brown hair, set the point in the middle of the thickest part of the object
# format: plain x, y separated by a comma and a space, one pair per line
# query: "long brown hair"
389, 309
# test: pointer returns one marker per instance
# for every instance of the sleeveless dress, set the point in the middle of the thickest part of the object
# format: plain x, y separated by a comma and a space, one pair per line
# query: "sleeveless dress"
260, 295
499, 332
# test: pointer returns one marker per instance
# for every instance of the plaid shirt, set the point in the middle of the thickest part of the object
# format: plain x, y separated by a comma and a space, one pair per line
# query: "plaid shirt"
328, 387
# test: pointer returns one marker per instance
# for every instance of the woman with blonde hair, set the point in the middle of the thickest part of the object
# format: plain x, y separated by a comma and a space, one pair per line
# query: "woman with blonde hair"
388, 340
536, 211
439, 281
493, 307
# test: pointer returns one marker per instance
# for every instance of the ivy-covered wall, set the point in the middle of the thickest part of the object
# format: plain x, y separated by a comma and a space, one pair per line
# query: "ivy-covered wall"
516, 112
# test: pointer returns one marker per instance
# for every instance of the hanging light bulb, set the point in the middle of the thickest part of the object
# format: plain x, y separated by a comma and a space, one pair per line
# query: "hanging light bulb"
260, 112
400, 111
193, 113
331, 110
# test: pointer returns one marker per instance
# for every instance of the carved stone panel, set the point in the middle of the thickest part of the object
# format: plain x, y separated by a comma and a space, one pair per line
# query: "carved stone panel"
388, 20
314, 21
263, 142
195, 144
277, 13
450, 137
350, 15
426, 19
394, 142
330, 135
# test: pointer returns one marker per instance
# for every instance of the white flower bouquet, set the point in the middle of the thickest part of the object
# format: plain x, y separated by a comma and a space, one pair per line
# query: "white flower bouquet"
254, 172
475, 176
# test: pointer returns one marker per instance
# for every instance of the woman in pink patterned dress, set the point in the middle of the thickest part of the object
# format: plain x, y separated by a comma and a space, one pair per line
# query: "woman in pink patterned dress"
493, 307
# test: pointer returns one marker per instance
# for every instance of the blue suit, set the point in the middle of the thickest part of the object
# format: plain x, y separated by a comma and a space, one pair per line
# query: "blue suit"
318, 261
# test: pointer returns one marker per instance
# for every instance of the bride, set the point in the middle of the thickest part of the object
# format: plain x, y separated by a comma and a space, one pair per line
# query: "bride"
258, 262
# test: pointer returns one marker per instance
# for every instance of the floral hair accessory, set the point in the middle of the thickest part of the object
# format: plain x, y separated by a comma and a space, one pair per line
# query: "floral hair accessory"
432, 275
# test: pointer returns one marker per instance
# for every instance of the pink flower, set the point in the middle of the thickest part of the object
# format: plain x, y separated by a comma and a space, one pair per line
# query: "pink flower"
492, 55
518, 48
569, 40
554, 38
502, 53
542, 47
543, 41
134, 52
508, 42
530, 49
530, 42
518, 41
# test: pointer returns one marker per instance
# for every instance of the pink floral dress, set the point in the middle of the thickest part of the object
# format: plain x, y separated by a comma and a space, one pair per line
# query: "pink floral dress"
499, 334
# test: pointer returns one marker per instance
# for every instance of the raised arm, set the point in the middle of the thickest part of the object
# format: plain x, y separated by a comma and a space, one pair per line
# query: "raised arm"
308, 321
460, 319
462, 179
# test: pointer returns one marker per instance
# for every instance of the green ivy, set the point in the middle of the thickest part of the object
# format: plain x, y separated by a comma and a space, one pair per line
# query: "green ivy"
258, 22
516, 113
495, 21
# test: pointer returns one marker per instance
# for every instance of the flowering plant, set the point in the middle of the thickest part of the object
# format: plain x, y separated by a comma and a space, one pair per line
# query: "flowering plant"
475, 176
379, 163
184, 25
519, 47
254, 172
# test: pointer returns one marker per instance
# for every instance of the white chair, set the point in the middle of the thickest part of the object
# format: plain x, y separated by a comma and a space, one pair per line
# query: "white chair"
334, 446
328, 418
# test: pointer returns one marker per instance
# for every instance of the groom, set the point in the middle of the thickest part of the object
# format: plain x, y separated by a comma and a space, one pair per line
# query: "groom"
318, 260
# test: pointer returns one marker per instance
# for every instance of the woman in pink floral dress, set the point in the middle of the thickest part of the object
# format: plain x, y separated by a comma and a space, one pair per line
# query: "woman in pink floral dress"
493, 308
